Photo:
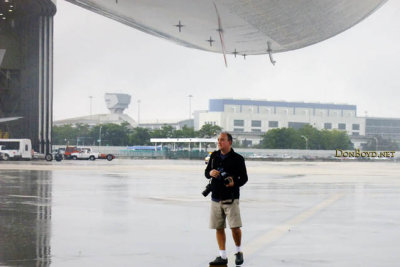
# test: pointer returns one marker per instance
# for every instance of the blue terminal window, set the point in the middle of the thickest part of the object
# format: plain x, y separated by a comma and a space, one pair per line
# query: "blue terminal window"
238, 123
342, 126
255, 123
272, 124
328, 125
297, 125
356, 127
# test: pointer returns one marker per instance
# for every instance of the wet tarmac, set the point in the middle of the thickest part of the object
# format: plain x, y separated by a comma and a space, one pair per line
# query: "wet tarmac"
152, 213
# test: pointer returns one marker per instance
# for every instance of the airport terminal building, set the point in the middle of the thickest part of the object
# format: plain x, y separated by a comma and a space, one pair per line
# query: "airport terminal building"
248, 120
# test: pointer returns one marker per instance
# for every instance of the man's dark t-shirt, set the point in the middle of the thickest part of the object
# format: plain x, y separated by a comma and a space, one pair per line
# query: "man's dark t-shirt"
234, 165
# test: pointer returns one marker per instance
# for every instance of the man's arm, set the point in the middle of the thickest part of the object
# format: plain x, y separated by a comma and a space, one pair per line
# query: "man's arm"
208, 168
242, 178
209, 171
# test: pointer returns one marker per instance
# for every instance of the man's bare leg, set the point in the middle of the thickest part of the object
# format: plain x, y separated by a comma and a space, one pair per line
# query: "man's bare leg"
221, 238
237, 236
222, 258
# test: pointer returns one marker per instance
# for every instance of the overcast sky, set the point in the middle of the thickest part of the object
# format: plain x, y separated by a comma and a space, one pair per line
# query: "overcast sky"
94, 55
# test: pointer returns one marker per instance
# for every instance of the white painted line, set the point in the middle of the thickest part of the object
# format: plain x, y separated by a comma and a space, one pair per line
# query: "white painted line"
279, 230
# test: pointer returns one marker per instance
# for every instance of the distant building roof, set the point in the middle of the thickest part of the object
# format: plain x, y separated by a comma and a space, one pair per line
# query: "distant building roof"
183, 140
92, 120
159, 124
217, 105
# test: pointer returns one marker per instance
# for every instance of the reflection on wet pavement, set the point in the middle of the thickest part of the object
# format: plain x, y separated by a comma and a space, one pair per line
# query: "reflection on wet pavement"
25, 217
152, 213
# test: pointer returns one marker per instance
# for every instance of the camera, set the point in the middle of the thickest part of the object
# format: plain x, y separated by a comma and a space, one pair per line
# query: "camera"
207, 190
224, 176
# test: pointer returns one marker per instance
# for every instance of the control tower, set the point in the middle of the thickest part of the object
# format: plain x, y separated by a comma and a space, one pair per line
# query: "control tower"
117, 103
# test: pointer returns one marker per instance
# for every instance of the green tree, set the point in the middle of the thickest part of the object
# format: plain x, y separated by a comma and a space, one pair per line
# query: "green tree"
83, 134
166, 131
139, 136
185, 132
208, 131
313, 136
112, 134
335, 139
64, 134
69, 134
285, 138
282, 138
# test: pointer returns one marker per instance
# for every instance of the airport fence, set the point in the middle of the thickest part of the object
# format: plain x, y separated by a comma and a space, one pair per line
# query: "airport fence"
164, 154
247, 153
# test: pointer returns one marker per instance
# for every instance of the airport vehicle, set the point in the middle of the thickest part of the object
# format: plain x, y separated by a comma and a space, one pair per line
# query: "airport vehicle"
73, 152
108, 157
69, 150
206, 159
85, 153
55, 154
16, 149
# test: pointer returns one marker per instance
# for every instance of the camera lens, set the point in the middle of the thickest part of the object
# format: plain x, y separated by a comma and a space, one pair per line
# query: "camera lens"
227, 180
207, 190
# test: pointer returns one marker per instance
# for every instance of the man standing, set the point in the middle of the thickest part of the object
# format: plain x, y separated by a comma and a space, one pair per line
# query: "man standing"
227, 172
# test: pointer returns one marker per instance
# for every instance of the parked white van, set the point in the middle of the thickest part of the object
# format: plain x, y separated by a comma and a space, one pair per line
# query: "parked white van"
15, 149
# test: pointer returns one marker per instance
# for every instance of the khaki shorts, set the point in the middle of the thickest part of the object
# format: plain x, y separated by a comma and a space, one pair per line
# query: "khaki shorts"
220, 212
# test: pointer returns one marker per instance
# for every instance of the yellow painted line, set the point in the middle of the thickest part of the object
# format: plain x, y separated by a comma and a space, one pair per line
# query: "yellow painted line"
279, 230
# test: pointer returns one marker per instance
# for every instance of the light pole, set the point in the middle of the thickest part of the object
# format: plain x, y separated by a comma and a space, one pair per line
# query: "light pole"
376, 143
138, 113
91, 98
305, 138
190, 106
99, 137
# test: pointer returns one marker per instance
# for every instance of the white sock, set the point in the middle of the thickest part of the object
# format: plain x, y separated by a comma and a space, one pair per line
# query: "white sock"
222, 253
238, 249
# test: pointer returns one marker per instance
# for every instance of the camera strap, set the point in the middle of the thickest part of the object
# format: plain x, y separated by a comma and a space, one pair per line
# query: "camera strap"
230, 201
